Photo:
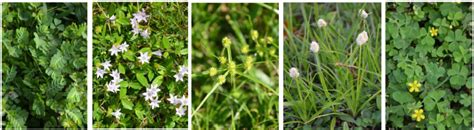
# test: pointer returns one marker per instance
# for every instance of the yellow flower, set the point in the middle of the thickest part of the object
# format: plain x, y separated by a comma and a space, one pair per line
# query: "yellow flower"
221, 79
418, 115
222, 59
232, 67
414, 86
269, 40
245, 49
226, 42
212, 71
248, 62
254, 34
433, 31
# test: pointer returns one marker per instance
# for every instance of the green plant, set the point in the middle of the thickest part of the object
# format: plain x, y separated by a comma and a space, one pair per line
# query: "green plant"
332, 66
140, 65
429, 47
235, 80
44, 65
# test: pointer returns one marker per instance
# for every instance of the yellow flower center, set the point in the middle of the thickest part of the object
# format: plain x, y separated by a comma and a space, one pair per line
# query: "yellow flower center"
414, 86
418, 115
226, 42
212, 71
433, 31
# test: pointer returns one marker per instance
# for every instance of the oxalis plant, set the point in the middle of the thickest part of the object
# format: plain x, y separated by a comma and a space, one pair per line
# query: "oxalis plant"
44, 65
429, 74
235, 66
140, 65
332, 66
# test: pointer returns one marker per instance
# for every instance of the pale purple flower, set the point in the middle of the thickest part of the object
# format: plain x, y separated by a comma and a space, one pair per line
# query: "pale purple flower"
100, 73
145, 34
141, 16
180, 111
117, 113
157, 53
113, 87
123, 47
114, 50
112, 18
184, 101
174, 99
179, 77
154, 103
106, 65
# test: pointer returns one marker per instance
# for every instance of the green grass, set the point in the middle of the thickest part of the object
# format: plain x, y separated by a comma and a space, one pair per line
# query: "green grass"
339, 86
248, 98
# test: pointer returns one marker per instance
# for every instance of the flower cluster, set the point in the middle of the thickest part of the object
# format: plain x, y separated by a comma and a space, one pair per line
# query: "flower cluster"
113, 85
136, 20
182, 102
183, 70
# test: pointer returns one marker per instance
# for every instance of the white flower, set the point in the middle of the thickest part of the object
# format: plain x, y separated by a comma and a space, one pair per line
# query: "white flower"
114, 50
154, 88
183, 69
149, 95
100, 73
123, 47
112, 18
179, 77
117, 113
141, 16
174, 99
180, 111
184, 101
154, 103
314, 47
363, 14
321, 23
106, 65
294, 72
144, 58
135, 30
362, 38
134, 23
145, 34
113, 87
115, 74
157, 53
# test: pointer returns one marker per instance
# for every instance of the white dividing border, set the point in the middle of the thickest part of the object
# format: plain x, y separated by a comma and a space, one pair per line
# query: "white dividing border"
190, 96
89, 67
280, 66
382, 59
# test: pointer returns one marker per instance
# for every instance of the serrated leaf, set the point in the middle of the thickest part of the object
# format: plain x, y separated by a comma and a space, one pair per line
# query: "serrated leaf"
74, 95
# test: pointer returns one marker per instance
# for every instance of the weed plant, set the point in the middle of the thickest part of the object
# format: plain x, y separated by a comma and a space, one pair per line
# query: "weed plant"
235, 66
332, 66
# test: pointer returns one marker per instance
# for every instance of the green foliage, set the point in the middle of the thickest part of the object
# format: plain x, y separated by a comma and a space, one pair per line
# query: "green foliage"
44, 70
167, 24
338, 86
242, 92
440, 62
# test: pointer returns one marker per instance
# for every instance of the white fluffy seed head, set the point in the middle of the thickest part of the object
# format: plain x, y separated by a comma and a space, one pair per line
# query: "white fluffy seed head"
363, 14
314, 47
322, 23
362, 38
294, 72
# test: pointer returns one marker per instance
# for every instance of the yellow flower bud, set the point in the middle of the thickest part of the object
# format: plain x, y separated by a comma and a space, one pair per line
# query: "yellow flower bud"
222, 59
226, 42
254, 34
212, 71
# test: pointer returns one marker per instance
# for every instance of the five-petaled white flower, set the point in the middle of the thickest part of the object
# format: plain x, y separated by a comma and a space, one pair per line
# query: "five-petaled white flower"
179, 77
123, 47
314, 47
106, 65
321, 23
113, 87
157, 53
114, 50
362, 38
117, 113
184, 101
115, 74
149, 95
140, 16
135, 30
100, 73
363, 14
145, 34
154, 88
180, 111
294, 72
183, 69
154, 103
144, 57
174, 99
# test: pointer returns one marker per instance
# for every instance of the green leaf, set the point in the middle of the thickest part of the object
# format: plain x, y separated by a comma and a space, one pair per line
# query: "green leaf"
38, 107
429, 104
437, 94
142, 79
127, 104
135, 85
121, 69
402, 97
74, 95
75, 115
58, 61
